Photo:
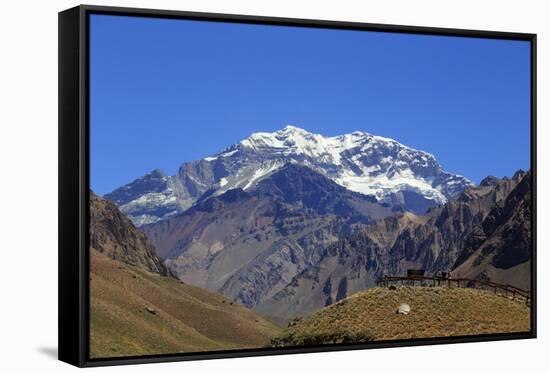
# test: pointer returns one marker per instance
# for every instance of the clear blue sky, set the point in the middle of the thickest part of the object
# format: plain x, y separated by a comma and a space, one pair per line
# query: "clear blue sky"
168, 91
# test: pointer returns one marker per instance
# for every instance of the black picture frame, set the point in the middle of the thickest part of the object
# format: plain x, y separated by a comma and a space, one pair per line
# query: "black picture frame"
74, 181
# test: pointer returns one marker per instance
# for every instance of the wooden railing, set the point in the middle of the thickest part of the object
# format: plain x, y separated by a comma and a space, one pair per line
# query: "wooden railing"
501, 289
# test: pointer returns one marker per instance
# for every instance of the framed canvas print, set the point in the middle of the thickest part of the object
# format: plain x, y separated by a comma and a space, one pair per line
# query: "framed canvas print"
233, 186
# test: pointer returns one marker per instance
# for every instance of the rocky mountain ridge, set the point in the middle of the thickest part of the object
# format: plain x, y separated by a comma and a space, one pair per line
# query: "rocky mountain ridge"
371, 165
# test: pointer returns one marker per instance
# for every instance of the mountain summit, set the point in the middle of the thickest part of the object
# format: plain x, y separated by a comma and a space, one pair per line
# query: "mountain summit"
391, 172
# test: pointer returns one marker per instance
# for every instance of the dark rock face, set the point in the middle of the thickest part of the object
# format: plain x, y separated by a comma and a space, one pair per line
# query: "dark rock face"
114, 235
513, 228
299, 185
503, 242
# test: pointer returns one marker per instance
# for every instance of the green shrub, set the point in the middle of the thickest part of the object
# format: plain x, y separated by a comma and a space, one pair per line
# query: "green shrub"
321, 338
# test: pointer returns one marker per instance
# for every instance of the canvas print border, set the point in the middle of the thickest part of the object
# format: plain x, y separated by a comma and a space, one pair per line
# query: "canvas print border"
74, 181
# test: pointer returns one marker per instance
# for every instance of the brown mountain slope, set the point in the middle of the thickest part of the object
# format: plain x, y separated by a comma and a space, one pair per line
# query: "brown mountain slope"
435, 312
114, 235
138, 307
137, 312
250, 244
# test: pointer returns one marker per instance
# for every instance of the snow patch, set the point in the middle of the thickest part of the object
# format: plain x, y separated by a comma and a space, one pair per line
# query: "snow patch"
261, 173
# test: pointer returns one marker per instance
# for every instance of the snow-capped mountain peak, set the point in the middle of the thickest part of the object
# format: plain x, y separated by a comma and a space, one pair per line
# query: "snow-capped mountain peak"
296, 140
362, 162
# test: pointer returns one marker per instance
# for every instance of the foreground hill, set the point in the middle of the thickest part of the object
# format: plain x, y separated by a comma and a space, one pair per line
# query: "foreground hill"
136, 312
435, 312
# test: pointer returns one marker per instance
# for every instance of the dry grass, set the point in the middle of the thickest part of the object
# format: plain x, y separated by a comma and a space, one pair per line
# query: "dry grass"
435, 312
185, 318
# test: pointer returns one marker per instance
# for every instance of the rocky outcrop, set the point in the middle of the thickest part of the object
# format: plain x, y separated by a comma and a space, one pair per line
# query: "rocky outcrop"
114, 235
502, 252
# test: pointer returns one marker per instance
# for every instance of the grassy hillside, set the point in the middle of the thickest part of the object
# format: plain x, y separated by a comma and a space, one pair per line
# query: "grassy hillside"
435, 312
136, 312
